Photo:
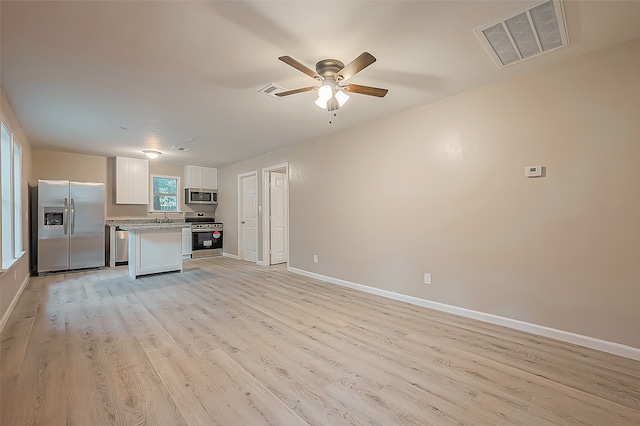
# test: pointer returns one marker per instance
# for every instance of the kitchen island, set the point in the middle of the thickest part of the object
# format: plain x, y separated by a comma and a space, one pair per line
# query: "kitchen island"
155, 247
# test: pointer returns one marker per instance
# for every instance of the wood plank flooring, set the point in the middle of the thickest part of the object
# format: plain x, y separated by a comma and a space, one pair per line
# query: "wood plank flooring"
231, 343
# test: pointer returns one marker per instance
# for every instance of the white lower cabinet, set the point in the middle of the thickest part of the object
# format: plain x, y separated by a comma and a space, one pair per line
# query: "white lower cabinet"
154, 251
186, 243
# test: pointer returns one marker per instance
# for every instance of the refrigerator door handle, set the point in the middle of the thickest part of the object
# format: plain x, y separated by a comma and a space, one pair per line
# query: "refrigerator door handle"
65, 215
73, 216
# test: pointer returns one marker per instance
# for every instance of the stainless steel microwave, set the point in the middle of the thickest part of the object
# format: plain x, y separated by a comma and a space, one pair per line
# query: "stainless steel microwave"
201, 196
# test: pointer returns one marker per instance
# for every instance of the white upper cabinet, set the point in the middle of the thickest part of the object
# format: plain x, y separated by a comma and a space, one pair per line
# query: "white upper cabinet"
200, 177
132, 181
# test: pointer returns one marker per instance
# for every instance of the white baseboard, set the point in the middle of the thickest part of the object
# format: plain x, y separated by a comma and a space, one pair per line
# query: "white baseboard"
232, 256
13, 303
566, 336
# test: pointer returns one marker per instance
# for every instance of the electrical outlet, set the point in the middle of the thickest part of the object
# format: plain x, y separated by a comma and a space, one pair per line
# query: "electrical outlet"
15, 275
427, 278
315, 258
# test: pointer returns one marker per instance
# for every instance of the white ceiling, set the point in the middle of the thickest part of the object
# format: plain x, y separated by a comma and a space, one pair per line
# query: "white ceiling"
115, 77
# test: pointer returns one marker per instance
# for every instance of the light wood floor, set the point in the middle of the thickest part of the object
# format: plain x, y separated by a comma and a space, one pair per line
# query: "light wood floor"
230, 343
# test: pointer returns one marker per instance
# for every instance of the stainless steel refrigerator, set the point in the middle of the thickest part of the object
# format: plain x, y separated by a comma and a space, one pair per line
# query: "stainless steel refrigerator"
70, 225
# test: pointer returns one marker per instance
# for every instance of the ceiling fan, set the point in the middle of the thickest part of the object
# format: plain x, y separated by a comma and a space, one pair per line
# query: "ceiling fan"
332, 74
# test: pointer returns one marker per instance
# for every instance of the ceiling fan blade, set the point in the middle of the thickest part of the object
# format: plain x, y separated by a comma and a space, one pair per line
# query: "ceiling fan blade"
294, 91
355, 66
365, 90
297, 65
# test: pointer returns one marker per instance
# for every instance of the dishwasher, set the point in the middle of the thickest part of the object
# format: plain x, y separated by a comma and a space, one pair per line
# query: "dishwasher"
122, 246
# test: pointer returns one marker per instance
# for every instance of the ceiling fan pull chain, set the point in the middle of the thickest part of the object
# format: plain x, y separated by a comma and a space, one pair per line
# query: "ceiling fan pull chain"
332, 116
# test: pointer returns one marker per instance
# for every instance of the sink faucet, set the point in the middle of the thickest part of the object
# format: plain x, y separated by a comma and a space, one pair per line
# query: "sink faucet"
166, 219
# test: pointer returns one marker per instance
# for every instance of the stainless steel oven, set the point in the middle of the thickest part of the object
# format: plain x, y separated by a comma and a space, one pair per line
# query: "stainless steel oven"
206, 235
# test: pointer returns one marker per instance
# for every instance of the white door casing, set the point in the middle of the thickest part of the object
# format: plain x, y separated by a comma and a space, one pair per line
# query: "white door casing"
266, 208
278, 218
249, 217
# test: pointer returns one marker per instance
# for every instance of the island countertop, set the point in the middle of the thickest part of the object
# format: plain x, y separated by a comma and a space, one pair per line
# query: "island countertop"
146, 226
155, 247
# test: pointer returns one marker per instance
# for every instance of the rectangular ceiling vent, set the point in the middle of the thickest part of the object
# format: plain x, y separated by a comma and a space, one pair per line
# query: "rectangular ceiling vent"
271, 90
530, 33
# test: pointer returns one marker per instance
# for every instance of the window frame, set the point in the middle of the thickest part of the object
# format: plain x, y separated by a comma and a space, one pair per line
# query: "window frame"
152, 194
11, 213
17, 199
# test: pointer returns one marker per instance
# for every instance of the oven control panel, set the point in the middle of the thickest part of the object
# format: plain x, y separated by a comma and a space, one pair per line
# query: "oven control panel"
207, 226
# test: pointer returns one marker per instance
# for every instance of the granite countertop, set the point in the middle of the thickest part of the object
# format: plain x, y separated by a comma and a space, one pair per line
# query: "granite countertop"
152, 226
139, 221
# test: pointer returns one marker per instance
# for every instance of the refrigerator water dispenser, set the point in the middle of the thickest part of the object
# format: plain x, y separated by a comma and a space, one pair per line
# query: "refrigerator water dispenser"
53, 218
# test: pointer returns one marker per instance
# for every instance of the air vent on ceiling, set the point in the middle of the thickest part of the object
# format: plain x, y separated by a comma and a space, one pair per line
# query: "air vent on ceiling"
271, 90
180, 148
530, 33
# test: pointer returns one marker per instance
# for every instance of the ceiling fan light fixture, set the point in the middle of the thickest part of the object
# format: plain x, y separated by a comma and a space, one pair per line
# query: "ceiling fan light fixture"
331, 97
322, 103
325, 93
342, 97
331, 72
151, 154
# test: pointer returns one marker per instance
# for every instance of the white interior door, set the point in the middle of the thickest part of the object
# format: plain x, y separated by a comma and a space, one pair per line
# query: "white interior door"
278, 216
250, 217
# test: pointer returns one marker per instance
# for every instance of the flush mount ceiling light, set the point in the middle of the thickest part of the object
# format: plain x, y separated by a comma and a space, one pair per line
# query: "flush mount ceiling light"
525, 35
332, 73
151, 154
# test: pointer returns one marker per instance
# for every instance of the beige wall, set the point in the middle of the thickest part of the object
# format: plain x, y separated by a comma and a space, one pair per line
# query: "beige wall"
68, 166
441, 189
10, 284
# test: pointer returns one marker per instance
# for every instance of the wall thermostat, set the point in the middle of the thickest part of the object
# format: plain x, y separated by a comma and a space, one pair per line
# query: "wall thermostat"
533, 171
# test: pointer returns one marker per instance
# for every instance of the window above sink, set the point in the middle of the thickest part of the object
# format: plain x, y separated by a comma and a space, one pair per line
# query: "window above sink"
165, 194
